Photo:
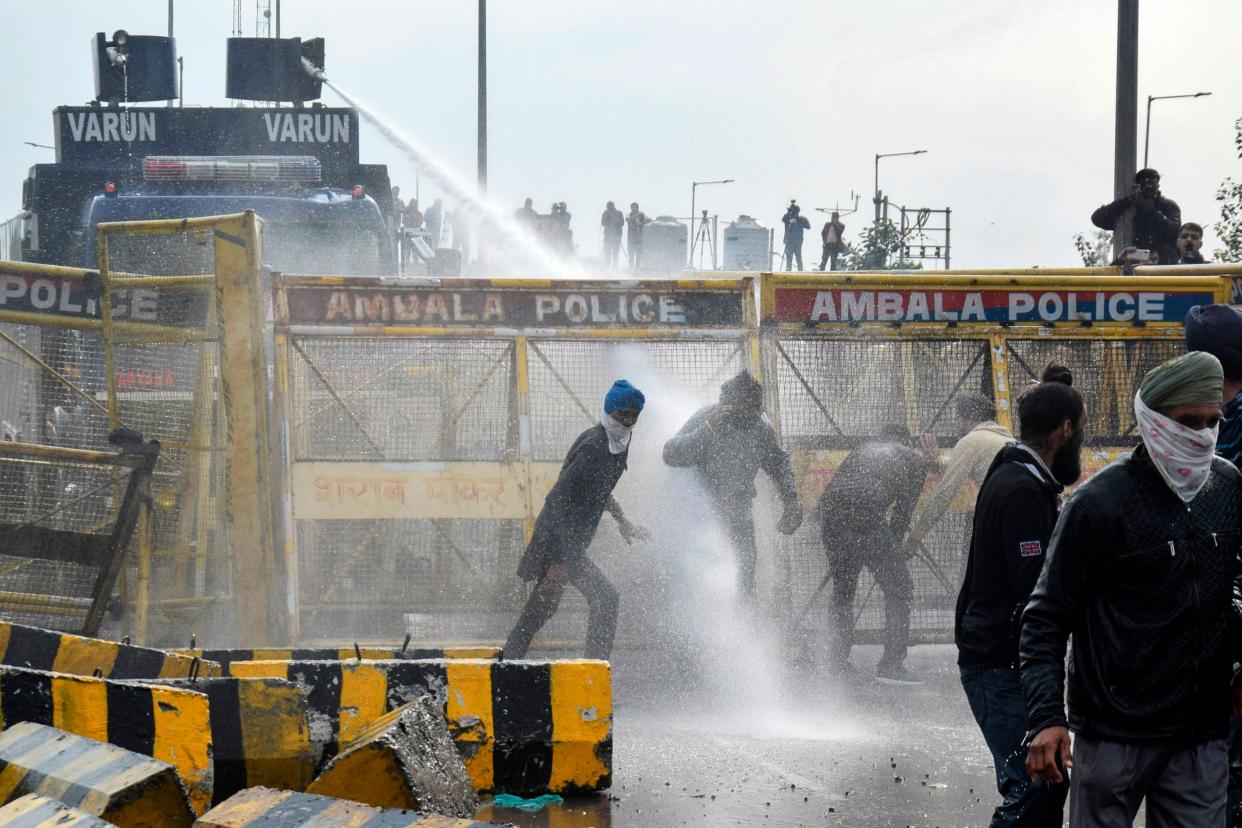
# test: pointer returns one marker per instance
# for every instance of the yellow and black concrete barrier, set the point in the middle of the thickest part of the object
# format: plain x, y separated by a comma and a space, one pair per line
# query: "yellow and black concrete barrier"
404, 759
356, 653
284, 809
166, 723
116, 785
260, 734
37, 649
34, 811
523, 727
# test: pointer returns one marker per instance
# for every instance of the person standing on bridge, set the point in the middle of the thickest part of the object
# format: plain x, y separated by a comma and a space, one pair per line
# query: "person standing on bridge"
1142, 571
613, 222
727, 444
434, 219
556, 554
864, 513
796, 226
1016, 510
635, 222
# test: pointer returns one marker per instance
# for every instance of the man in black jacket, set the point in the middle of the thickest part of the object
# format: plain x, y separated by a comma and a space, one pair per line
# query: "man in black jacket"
1141, 571
1014, 515
571, 512
727, 444
1156, 220
864, 513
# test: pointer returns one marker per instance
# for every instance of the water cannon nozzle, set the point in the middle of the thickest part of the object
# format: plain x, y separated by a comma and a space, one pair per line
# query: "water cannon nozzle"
314, 71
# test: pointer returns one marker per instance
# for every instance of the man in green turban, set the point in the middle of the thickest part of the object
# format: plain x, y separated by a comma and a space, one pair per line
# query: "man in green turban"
1141, 571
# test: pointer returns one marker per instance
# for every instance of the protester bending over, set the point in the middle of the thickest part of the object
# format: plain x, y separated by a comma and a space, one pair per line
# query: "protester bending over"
864, 513
1014, 515
556, 554
1141, 571
727, 444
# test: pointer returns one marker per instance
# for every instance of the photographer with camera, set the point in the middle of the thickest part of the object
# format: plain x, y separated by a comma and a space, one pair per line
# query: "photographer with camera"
1155, 220
795, 224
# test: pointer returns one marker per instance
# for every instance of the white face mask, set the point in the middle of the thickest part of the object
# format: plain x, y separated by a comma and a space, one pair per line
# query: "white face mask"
618, 435
1182, 455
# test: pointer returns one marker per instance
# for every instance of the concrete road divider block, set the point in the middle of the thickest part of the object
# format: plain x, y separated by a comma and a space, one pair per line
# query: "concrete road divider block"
285, 809
116, 785
165, 723
34, 811
226, 657
36, 649
404, 759
524, 727
260, 733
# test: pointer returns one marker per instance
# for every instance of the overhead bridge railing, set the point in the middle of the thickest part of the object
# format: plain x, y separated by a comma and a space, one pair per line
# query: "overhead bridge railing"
427, 419
852, 352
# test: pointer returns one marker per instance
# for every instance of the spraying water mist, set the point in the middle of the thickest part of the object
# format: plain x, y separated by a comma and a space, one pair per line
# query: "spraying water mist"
533, 252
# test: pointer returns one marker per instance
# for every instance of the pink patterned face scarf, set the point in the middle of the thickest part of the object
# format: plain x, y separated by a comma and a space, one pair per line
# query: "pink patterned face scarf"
1182, 455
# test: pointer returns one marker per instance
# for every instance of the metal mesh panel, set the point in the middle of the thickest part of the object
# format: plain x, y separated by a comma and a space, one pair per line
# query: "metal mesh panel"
59, 496
1106, 372
52, 386
849, 388
834, 392
568, 380
400, 399
361, 578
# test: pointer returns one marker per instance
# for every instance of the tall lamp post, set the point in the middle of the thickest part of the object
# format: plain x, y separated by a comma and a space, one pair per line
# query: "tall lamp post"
694, 186
877, 174
1150, 98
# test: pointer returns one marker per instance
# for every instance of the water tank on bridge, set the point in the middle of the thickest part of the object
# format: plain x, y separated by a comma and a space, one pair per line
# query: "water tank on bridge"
664, 246
746, 245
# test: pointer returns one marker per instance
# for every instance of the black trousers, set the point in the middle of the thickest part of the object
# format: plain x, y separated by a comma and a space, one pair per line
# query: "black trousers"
831, 252
742, 535
545, 598
848, 553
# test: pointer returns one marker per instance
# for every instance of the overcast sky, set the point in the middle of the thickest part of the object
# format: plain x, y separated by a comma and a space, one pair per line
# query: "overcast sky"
592, 101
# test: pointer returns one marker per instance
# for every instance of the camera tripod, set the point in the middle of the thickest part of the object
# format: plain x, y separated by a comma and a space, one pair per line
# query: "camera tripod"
704, 237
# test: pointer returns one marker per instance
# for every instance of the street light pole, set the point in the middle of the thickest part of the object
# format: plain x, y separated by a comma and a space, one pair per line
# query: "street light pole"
1150, 98
694, 186
878, 156
482, 160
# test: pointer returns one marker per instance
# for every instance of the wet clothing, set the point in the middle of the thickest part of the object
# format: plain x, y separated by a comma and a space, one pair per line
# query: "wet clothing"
848, 552
859, 530
613, 222
727, 459
1184, 784
572, 510
1144, 583
1156, 230
995, 697
434, 219
970, 460
634, 222
602, 600
1014, 516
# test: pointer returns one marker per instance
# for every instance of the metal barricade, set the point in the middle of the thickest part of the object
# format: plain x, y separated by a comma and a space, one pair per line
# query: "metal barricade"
852, 352
425, 420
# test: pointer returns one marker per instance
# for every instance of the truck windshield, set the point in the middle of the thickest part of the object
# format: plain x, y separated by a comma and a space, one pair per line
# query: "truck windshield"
306, 248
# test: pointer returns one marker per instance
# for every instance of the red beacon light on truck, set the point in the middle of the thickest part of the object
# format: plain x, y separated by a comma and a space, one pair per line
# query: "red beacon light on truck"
304, 169
358, 191
109, 188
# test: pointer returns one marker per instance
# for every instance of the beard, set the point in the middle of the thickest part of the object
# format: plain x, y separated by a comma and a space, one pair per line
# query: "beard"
1067, 463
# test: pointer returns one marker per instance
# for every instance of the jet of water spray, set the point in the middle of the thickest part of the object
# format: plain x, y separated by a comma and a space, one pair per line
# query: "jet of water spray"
533, 251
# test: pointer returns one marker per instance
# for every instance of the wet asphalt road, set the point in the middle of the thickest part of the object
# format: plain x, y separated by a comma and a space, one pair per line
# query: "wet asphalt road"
808, 751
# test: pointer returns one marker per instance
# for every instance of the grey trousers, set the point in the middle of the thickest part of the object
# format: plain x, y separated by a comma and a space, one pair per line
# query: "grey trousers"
1184, 785
602, 600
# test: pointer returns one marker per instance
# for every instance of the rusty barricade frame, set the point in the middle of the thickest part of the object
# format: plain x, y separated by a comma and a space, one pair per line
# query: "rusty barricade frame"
882, 309
516, 318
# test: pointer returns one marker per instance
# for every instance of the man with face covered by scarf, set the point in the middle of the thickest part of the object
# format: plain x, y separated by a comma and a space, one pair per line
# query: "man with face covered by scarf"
1141, 571
727, 444
571, 512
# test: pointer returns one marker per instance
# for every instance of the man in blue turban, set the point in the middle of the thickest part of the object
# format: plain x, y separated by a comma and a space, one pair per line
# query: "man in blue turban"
556, 554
